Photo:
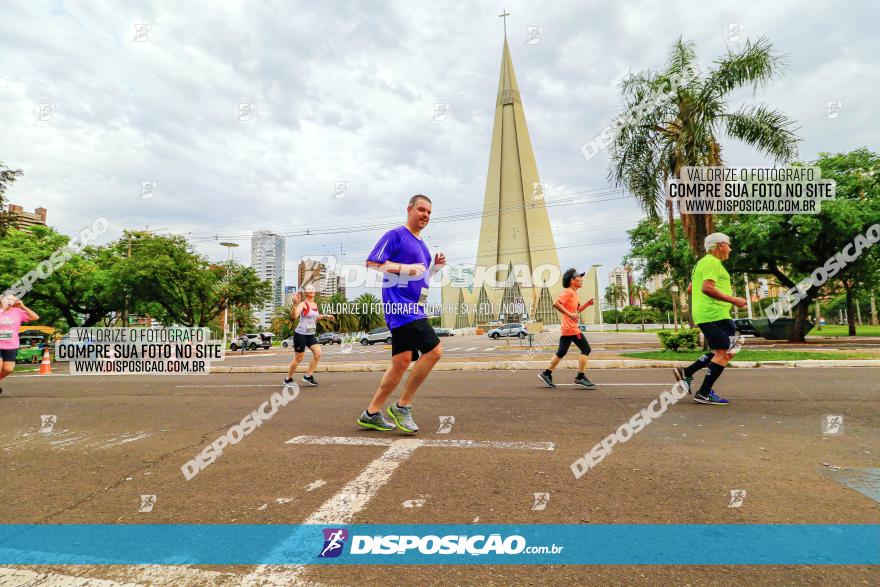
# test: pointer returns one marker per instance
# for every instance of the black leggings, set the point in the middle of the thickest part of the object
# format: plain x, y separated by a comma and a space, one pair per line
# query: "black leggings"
578, 339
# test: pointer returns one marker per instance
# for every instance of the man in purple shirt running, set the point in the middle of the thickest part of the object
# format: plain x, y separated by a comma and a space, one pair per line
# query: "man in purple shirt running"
404, 258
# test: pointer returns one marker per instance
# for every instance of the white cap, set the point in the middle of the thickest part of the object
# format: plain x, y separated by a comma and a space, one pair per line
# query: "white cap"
309, 288
715, 238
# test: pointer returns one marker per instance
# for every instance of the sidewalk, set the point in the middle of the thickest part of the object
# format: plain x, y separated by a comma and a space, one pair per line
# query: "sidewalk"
531, 365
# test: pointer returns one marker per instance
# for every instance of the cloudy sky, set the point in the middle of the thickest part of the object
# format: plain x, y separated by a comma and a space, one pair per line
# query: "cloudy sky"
344, 92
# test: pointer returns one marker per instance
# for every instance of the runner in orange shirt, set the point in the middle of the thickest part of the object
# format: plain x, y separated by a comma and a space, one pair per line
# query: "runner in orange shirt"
570, 307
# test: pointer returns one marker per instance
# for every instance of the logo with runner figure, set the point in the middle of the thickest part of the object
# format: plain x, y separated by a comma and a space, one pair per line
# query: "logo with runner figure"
334, 542
47, 423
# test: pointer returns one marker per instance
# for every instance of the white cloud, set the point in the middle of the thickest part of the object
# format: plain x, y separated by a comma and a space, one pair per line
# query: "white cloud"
165, 109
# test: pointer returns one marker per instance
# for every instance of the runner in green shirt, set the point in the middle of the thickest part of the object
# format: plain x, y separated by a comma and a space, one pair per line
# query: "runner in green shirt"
712, 299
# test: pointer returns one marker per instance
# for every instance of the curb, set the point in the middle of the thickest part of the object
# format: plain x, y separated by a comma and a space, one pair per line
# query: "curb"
538, 365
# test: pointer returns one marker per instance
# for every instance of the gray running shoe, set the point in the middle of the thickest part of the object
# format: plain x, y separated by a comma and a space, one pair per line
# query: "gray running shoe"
403, 417
375, 422
547, 379
583, 381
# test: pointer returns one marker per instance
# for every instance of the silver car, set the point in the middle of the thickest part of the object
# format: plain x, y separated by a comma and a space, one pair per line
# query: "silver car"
508, 330
376, 335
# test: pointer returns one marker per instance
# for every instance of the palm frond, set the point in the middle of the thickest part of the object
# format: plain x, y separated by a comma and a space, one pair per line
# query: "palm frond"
754, 65
767, 130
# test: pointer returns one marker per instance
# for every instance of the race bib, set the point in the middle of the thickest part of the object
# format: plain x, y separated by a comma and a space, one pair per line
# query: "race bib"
310, 330
423, 297
6, 335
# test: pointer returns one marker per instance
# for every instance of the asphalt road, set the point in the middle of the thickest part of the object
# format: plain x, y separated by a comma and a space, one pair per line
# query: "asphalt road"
472, 347
115, 439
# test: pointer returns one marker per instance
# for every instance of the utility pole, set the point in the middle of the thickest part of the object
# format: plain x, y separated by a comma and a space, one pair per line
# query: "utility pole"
674, 290
748, 296
229, 247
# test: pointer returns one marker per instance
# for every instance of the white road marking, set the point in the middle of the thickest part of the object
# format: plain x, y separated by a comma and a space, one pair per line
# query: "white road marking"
619, 384
357, 493
315, 484
137, 436
473, 348
232, 385
22, 578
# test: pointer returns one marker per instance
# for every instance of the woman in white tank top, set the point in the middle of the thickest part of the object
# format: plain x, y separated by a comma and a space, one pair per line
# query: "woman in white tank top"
304, 334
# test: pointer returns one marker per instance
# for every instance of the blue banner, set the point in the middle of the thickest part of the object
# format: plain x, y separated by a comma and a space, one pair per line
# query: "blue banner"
616, 544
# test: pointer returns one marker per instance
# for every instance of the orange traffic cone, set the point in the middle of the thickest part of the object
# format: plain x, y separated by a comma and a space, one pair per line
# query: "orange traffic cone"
46, 365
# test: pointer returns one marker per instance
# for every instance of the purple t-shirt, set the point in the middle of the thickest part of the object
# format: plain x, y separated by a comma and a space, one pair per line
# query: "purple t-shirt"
403, 296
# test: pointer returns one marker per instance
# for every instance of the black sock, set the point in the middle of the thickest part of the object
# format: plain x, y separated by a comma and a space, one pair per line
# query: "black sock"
713, 372
369, 414
698, 364
581, 375
548, 372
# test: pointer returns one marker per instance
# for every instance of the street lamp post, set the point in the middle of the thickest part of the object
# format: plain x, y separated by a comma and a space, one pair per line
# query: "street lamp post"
229, 247
674, 290
599, 300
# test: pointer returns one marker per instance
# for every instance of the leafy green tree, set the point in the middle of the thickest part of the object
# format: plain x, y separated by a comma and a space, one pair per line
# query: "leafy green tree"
660, 300
7, 177
81, 291
669, 134
792, 247
634, 315
166, 278
653, 252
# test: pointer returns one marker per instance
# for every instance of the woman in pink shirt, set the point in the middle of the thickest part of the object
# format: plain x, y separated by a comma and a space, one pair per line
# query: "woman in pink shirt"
12, 314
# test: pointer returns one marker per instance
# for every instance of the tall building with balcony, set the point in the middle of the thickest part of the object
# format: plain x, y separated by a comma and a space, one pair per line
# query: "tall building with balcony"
267, 259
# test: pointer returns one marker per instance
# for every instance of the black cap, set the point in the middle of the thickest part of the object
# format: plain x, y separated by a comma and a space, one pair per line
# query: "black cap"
569, 275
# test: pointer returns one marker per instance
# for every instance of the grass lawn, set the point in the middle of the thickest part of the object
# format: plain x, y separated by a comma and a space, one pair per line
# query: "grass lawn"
843, 329
753, 355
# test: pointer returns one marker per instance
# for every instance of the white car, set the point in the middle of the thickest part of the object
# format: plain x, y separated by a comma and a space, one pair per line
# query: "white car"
376, 335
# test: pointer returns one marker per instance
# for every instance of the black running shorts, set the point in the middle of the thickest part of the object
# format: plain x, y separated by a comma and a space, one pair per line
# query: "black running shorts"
417, 336
301, 341
578, 339
8, 354
719, 334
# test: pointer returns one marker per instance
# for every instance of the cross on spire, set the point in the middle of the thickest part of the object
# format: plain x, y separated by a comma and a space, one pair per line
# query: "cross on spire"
504, 14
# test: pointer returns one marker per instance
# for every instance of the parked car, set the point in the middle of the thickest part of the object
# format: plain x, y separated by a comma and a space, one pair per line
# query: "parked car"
745, 326
377, 335
254, 341
329, 338
511, 329
444, 332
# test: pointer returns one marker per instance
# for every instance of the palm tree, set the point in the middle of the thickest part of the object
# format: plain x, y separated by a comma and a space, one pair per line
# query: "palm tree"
344, 321
615, 297
368, 318
282, 322
684, 130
